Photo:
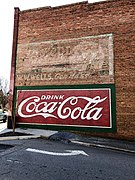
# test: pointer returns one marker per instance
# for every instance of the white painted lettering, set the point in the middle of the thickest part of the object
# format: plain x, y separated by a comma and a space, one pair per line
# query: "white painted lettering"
66, 108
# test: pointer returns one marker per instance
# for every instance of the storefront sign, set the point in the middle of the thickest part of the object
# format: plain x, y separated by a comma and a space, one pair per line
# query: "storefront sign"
65, 107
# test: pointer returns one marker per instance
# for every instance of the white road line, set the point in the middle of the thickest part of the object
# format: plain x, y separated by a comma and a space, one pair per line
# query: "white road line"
69, 152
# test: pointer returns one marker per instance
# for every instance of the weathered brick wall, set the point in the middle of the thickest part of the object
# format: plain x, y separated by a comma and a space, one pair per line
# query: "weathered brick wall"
115, 17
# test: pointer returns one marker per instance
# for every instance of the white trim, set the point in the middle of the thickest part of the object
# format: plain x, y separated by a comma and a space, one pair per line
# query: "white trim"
65, 125
63, 89
110, 108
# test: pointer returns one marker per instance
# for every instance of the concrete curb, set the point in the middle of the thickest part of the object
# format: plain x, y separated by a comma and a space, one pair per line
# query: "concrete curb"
72, 141
47, 134
33, 134
102, 146
18, 137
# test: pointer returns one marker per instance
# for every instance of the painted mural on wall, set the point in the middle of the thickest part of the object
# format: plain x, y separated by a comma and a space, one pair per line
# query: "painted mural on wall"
65, 107
85, 60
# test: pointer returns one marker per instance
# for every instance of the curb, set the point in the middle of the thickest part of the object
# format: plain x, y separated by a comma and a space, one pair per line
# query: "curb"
72, 141
102, 146
18, 137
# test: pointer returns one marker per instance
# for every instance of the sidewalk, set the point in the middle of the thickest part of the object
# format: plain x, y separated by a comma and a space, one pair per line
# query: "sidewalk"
119, 145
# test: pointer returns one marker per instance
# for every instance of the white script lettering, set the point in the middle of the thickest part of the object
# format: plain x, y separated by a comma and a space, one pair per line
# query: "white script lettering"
67, 108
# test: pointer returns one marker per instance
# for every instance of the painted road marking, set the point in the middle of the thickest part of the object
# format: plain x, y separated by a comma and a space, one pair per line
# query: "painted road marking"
69, 152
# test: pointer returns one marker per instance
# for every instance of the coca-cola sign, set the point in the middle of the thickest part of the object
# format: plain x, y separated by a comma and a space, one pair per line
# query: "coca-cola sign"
65, 107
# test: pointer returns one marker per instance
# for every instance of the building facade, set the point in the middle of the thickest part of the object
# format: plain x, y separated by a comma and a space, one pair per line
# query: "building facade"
73, 68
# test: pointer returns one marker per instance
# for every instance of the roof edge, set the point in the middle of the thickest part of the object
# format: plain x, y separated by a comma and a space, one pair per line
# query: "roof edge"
93, 4
55, 7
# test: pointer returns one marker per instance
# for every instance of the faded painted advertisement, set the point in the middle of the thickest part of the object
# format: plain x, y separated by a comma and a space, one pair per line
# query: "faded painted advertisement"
65, 107
85, 60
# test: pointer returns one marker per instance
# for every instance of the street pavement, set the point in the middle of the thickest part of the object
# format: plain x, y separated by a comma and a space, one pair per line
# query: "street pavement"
45, 159
119, 145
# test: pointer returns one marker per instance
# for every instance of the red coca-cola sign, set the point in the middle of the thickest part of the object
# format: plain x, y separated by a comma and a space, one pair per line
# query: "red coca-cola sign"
65, 107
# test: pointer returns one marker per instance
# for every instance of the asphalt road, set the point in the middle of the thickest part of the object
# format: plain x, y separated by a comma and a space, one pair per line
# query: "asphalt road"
40, 159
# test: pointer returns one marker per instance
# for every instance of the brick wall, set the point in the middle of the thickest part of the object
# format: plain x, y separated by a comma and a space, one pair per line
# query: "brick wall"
116, 17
